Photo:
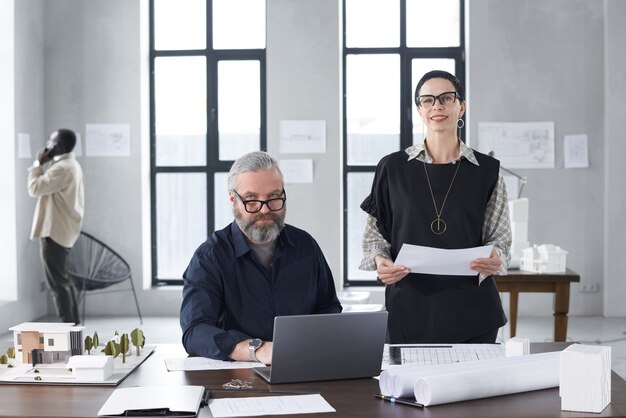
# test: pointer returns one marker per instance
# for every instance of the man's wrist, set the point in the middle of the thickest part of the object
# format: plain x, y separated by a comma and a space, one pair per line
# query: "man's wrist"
253, 346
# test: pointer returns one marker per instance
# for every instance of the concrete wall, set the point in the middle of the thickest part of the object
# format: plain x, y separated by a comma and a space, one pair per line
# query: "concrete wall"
544, 61
528, 60
615, 169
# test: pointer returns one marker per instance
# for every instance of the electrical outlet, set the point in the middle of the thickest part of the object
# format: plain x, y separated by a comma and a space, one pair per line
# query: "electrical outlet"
588, 287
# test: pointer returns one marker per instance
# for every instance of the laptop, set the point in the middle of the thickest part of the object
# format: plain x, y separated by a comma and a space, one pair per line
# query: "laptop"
326, 347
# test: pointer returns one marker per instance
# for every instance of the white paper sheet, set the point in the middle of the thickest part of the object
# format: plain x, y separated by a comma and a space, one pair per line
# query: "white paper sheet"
518, 144
575, 151
107, 140
297, 171
302, 136
23, 146
269, 405
176, 398
203, 363
429, 260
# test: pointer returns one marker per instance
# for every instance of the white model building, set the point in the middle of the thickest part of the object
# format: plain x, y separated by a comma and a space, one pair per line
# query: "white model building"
518, 216
46, 342
91, 368
545, 258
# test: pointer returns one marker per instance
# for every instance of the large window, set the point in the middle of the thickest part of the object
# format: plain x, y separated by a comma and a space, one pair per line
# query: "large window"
388, 45
207, 65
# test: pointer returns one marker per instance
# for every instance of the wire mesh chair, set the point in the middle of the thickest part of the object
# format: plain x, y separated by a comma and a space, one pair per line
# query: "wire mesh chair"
94, 266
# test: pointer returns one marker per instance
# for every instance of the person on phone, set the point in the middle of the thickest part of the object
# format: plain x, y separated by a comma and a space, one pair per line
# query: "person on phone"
60, 194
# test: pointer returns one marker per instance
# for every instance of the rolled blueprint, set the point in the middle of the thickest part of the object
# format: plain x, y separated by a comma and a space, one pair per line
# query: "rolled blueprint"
538, 371
400, 381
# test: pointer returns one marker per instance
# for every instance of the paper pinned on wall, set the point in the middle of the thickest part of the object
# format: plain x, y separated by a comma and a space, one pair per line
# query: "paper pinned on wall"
302, 136
107, 140
23, 146
518, 144
297, 171
575, 151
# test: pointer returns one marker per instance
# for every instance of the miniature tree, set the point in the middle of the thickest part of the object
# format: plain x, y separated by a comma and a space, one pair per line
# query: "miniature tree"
124, 346
3, 359
111, 349
11, 352
138, 339
88, 344
96, 340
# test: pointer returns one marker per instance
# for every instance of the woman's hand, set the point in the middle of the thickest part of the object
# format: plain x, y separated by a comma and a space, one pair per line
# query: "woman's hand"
388, 272
487, 266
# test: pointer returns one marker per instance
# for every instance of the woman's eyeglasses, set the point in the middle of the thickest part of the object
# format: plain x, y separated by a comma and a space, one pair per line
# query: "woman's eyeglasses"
428, 100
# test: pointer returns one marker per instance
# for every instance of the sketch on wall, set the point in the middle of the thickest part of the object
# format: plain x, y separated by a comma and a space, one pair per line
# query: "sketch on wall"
518, 144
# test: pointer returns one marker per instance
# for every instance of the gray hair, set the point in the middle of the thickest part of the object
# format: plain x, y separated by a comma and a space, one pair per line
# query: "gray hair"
253, 161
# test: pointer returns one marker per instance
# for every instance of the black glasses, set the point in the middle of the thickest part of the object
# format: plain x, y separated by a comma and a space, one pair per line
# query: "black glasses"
254, 206
428, 100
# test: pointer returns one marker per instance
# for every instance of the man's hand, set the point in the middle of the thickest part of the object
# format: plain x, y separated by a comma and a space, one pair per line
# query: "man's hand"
241, 352
44, 155
487, 266
388, 272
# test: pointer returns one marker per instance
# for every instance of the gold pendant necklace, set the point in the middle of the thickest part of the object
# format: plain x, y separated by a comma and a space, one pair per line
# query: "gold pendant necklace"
438, 226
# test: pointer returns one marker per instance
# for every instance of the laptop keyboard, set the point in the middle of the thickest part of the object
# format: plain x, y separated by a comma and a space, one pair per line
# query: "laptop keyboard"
442, 354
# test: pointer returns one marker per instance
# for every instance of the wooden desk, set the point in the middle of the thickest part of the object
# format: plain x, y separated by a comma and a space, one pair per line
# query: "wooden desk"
517, 281
353, 398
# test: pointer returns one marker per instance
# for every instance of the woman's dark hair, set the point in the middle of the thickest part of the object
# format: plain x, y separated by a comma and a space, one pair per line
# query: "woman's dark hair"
66, 140
440, 74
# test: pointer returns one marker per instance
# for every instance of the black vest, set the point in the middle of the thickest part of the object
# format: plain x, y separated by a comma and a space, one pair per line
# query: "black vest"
429, 308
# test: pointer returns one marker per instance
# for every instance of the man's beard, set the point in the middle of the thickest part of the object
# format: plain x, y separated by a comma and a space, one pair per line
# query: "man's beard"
261, 232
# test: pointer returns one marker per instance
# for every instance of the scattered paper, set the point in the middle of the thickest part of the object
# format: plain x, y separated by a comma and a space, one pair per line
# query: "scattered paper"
269, 405
23, 146
302, 136
427, 260
297, 171
575, 151
203, 363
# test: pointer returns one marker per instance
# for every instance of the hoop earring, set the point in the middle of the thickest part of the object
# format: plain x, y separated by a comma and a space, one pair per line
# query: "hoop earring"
460, 123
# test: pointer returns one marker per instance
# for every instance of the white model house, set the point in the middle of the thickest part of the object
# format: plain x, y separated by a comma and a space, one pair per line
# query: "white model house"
91, 368
46, 342
545, 258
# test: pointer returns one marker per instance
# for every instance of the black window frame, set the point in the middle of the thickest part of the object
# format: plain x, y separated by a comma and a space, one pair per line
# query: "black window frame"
213, 164
407, 54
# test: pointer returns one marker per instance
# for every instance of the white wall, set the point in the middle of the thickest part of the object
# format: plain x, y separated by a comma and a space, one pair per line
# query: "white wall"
29, 118
528, 60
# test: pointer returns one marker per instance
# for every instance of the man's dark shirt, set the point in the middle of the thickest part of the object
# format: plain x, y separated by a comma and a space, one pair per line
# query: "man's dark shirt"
228, 296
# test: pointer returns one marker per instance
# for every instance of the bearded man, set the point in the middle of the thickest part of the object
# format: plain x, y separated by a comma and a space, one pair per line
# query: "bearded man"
253, 270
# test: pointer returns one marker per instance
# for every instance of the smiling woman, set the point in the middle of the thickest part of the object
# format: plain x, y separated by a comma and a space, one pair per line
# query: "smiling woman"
442, 194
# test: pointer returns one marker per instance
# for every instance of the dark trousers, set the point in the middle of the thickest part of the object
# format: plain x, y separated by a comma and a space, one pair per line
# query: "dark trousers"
56, 261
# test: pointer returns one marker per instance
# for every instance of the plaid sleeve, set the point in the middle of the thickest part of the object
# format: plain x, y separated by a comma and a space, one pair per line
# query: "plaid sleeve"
373, 244
497, 226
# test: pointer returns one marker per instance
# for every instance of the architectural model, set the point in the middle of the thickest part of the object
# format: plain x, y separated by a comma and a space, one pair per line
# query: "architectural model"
545, 258
46, 342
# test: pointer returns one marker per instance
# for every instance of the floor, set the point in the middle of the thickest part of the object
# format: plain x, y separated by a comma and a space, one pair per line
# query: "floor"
584, 329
